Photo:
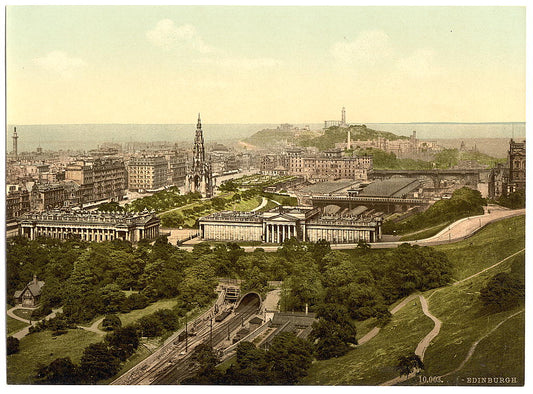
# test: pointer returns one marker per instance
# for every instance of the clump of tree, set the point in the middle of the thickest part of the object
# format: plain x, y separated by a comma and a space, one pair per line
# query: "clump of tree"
110, 207
336, 134
409, 364
285, 362
514, 200
111, 322
464, 202
162, 201
502, 292
333, 333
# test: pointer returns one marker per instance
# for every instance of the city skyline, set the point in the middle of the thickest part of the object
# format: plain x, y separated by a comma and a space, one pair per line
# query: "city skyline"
136, 64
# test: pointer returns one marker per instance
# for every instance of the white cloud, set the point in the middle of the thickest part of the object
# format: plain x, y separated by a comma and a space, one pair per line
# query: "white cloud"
242, 62
369, 47
167, 35
59, 62
420, 64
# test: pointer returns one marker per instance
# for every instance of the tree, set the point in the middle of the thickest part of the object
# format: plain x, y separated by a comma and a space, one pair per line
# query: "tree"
98, 362
333, 333
123, 341
251, 366
319, 250
503, 291
254, 279
204, 359
112, 298
408, 364
150, 326
111, 322
289, 357
59, 371
12, 345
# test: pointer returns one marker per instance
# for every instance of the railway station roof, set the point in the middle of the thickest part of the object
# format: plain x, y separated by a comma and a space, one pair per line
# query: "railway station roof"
394, 187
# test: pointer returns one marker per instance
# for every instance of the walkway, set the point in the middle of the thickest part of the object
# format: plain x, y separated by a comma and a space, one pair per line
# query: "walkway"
424, 343
94, 327
455, 232
261, 206
26, 330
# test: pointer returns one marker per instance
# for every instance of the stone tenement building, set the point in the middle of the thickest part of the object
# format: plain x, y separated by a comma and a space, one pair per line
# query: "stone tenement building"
328, 166
508, 178
99, 179
17, 201
200, 178
147, 173
284, 222
90, 226
177, 167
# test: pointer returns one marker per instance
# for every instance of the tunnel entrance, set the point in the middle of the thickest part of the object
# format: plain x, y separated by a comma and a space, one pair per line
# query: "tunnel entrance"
248, 301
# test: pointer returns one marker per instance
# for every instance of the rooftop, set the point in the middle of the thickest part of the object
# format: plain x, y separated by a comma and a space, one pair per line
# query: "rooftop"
327, 187
394, 187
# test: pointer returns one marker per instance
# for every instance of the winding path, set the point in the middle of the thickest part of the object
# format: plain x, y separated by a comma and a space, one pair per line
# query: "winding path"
26, 330
94, 327
474, 345
426, 341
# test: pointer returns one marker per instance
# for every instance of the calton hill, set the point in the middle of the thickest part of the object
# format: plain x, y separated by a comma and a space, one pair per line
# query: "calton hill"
109, 305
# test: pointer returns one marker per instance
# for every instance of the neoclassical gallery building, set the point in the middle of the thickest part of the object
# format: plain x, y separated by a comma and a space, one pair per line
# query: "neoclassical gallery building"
283, 222
90, 226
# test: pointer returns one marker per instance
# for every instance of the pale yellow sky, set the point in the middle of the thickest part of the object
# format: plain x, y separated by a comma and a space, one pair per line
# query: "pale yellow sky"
264, 64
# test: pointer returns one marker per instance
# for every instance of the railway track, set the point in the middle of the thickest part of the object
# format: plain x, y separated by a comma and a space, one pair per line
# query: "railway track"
171, 364
180, 369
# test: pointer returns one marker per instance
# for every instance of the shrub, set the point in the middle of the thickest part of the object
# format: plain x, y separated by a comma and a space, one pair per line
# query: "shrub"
111, 322
12, 345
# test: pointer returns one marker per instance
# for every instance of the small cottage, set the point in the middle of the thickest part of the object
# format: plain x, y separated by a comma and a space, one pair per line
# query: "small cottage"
31, 294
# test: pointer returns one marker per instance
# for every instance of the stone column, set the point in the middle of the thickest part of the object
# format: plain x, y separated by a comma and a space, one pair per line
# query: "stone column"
283, 229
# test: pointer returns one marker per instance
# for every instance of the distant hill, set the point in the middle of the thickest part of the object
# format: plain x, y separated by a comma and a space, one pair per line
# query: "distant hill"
336, 134
269, 137
326, 140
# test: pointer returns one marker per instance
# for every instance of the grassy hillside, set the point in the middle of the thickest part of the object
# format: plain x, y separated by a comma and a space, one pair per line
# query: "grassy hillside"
42, 348
267, 137
500, 336
336, 134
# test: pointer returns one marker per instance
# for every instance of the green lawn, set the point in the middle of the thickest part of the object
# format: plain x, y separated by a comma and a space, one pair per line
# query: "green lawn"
133, 316
488, 246
14, 325
190, 220
500, 354
24, 313
375, 361
41, 349
464, 322
270, 204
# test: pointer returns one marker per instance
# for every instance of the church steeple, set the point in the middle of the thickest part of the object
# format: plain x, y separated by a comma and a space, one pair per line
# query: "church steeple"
199, 124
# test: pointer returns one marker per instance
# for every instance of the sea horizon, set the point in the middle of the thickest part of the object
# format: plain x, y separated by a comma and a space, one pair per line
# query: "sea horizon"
87, 136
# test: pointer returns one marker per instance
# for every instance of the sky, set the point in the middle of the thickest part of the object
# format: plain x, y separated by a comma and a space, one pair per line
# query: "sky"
164, 64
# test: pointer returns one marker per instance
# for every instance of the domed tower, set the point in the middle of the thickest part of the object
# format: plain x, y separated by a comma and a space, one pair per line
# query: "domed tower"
199, 178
